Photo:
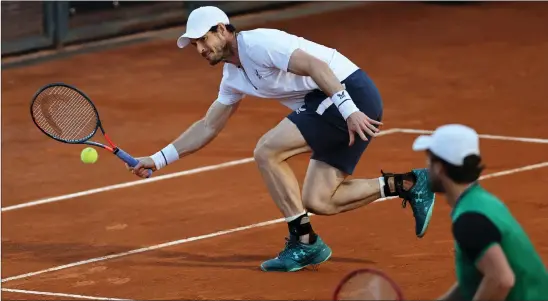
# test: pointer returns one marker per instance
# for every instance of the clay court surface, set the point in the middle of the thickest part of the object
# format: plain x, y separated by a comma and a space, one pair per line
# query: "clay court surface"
484, 65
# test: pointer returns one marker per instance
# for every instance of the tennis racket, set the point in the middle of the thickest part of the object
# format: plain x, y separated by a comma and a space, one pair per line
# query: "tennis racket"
367, 284
66, 114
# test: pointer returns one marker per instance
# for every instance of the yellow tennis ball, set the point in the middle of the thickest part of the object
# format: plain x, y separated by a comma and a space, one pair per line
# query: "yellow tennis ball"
89, 155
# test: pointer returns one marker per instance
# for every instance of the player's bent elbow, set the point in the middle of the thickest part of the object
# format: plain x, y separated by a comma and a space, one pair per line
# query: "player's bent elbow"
213, 126
507, 281
217, 117
206, 130
212, 131
501, 282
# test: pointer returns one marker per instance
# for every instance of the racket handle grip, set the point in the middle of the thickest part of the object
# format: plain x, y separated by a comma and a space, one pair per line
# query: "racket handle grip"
129, 160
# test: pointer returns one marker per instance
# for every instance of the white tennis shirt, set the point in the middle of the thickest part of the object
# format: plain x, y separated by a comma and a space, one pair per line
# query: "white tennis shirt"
264, 55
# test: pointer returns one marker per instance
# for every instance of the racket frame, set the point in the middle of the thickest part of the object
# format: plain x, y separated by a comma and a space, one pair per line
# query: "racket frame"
81, 141
99, 125
350, 275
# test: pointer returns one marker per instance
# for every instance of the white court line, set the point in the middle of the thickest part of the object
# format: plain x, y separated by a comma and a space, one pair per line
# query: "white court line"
215, 234
146, 249
515, 170
57, 294
144, 181
127, 184
484, 136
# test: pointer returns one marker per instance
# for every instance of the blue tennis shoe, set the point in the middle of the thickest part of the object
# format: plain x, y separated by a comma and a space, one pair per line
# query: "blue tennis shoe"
420, 196
296, 256
422, 200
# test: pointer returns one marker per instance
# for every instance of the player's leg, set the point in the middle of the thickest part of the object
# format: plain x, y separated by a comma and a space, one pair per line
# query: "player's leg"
304, 246
326, 189
273, 149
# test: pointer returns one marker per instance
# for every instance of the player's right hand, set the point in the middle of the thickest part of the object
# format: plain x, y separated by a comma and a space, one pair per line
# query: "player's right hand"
141, 169
361, 124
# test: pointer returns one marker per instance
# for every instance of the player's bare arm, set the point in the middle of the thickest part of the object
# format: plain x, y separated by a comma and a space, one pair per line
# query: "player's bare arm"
204, 130
498, 277
304, 64
198, 135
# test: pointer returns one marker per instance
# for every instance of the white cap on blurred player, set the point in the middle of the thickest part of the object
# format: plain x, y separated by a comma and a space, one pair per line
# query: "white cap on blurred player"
200, 21
451, 142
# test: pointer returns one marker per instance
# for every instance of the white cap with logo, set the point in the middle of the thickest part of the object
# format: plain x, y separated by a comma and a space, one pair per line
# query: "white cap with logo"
451, 142
200, 21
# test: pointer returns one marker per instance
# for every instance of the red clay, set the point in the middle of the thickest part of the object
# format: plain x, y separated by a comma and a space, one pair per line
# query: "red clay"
433, 64
25, 296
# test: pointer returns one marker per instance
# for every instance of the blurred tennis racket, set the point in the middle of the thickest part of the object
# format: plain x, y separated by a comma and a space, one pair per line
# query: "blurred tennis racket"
66, 114
367, 284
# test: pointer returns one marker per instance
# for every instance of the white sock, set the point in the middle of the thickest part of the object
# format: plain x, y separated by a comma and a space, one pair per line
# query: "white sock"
294, 217
381, 184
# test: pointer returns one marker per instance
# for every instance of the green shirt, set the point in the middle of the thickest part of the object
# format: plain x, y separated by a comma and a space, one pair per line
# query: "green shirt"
480, 220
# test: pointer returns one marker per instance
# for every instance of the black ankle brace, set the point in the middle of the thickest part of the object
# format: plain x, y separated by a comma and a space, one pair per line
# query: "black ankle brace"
398, 184
301, 226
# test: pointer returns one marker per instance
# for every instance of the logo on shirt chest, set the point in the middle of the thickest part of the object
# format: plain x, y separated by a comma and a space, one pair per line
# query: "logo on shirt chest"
263, 74
260, 78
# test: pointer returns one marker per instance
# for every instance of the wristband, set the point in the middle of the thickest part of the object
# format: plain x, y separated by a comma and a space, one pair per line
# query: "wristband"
165, 156
344, 103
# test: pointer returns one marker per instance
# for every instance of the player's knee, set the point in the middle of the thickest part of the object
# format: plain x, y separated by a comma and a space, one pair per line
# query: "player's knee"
262, 154
319, 206
265, 155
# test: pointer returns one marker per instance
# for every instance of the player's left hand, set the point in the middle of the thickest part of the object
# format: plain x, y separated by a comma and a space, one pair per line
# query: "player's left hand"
361, 124
141, 169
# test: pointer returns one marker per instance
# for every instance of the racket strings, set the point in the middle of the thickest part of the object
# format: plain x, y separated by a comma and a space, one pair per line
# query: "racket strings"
65, 114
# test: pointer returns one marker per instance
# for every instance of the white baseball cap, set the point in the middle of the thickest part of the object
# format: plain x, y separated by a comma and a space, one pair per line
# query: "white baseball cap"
451, 142
200, 21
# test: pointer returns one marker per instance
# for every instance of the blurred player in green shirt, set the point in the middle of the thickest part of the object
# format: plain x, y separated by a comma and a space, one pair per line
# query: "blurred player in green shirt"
494, 258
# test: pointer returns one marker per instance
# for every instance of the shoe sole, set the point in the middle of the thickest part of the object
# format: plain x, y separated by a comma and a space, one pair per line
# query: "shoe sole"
316, 261
427, 220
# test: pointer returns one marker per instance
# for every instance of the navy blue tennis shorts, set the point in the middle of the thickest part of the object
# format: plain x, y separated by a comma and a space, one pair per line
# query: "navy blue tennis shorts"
325, 130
